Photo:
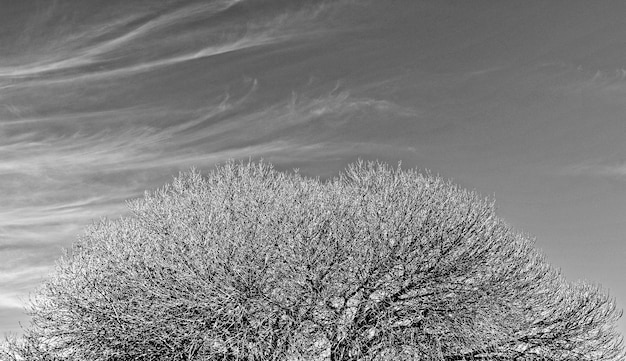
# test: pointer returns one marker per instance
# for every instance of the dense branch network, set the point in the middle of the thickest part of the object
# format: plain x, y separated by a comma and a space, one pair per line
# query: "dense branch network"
248, 263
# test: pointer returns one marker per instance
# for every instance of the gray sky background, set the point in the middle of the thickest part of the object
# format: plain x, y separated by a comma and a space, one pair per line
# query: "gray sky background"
521, 100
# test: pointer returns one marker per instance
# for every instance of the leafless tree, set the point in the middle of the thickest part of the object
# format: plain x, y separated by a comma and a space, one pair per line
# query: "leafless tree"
249, 263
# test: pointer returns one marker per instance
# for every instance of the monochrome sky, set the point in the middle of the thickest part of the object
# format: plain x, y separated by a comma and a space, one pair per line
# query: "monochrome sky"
524, 101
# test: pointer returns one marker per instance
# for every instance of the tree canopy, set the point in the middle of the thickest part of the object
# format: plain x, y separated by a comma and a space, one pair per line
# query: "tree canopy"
249, 263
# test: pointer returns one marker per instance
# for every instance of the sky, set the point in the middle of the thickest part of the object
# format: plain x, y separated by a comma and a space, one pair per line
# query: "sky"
522, 101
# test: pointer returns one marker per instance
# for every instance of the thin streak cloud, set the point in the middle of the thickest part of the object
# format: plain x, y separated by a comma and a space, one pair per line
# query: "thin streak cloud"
187, 13
9, 297
91, 53
598, 169
98, 58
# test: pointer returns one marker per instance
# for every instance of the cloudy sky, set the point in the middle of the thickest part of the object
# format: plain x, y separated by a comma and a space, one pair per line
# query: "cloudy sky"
524, 101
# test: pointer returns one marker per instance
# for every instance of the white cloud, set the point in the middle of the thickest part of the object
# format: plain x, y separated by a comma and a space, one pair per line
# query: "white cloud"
71, 56
16, 284
70, 59
597, 168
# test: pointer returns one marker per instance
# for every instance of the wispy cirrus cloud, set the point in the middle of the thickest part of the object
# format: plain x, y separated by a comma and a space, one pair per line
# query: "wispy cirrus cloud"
93, 43
572, 79
615, 169
18, 279
118, 48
